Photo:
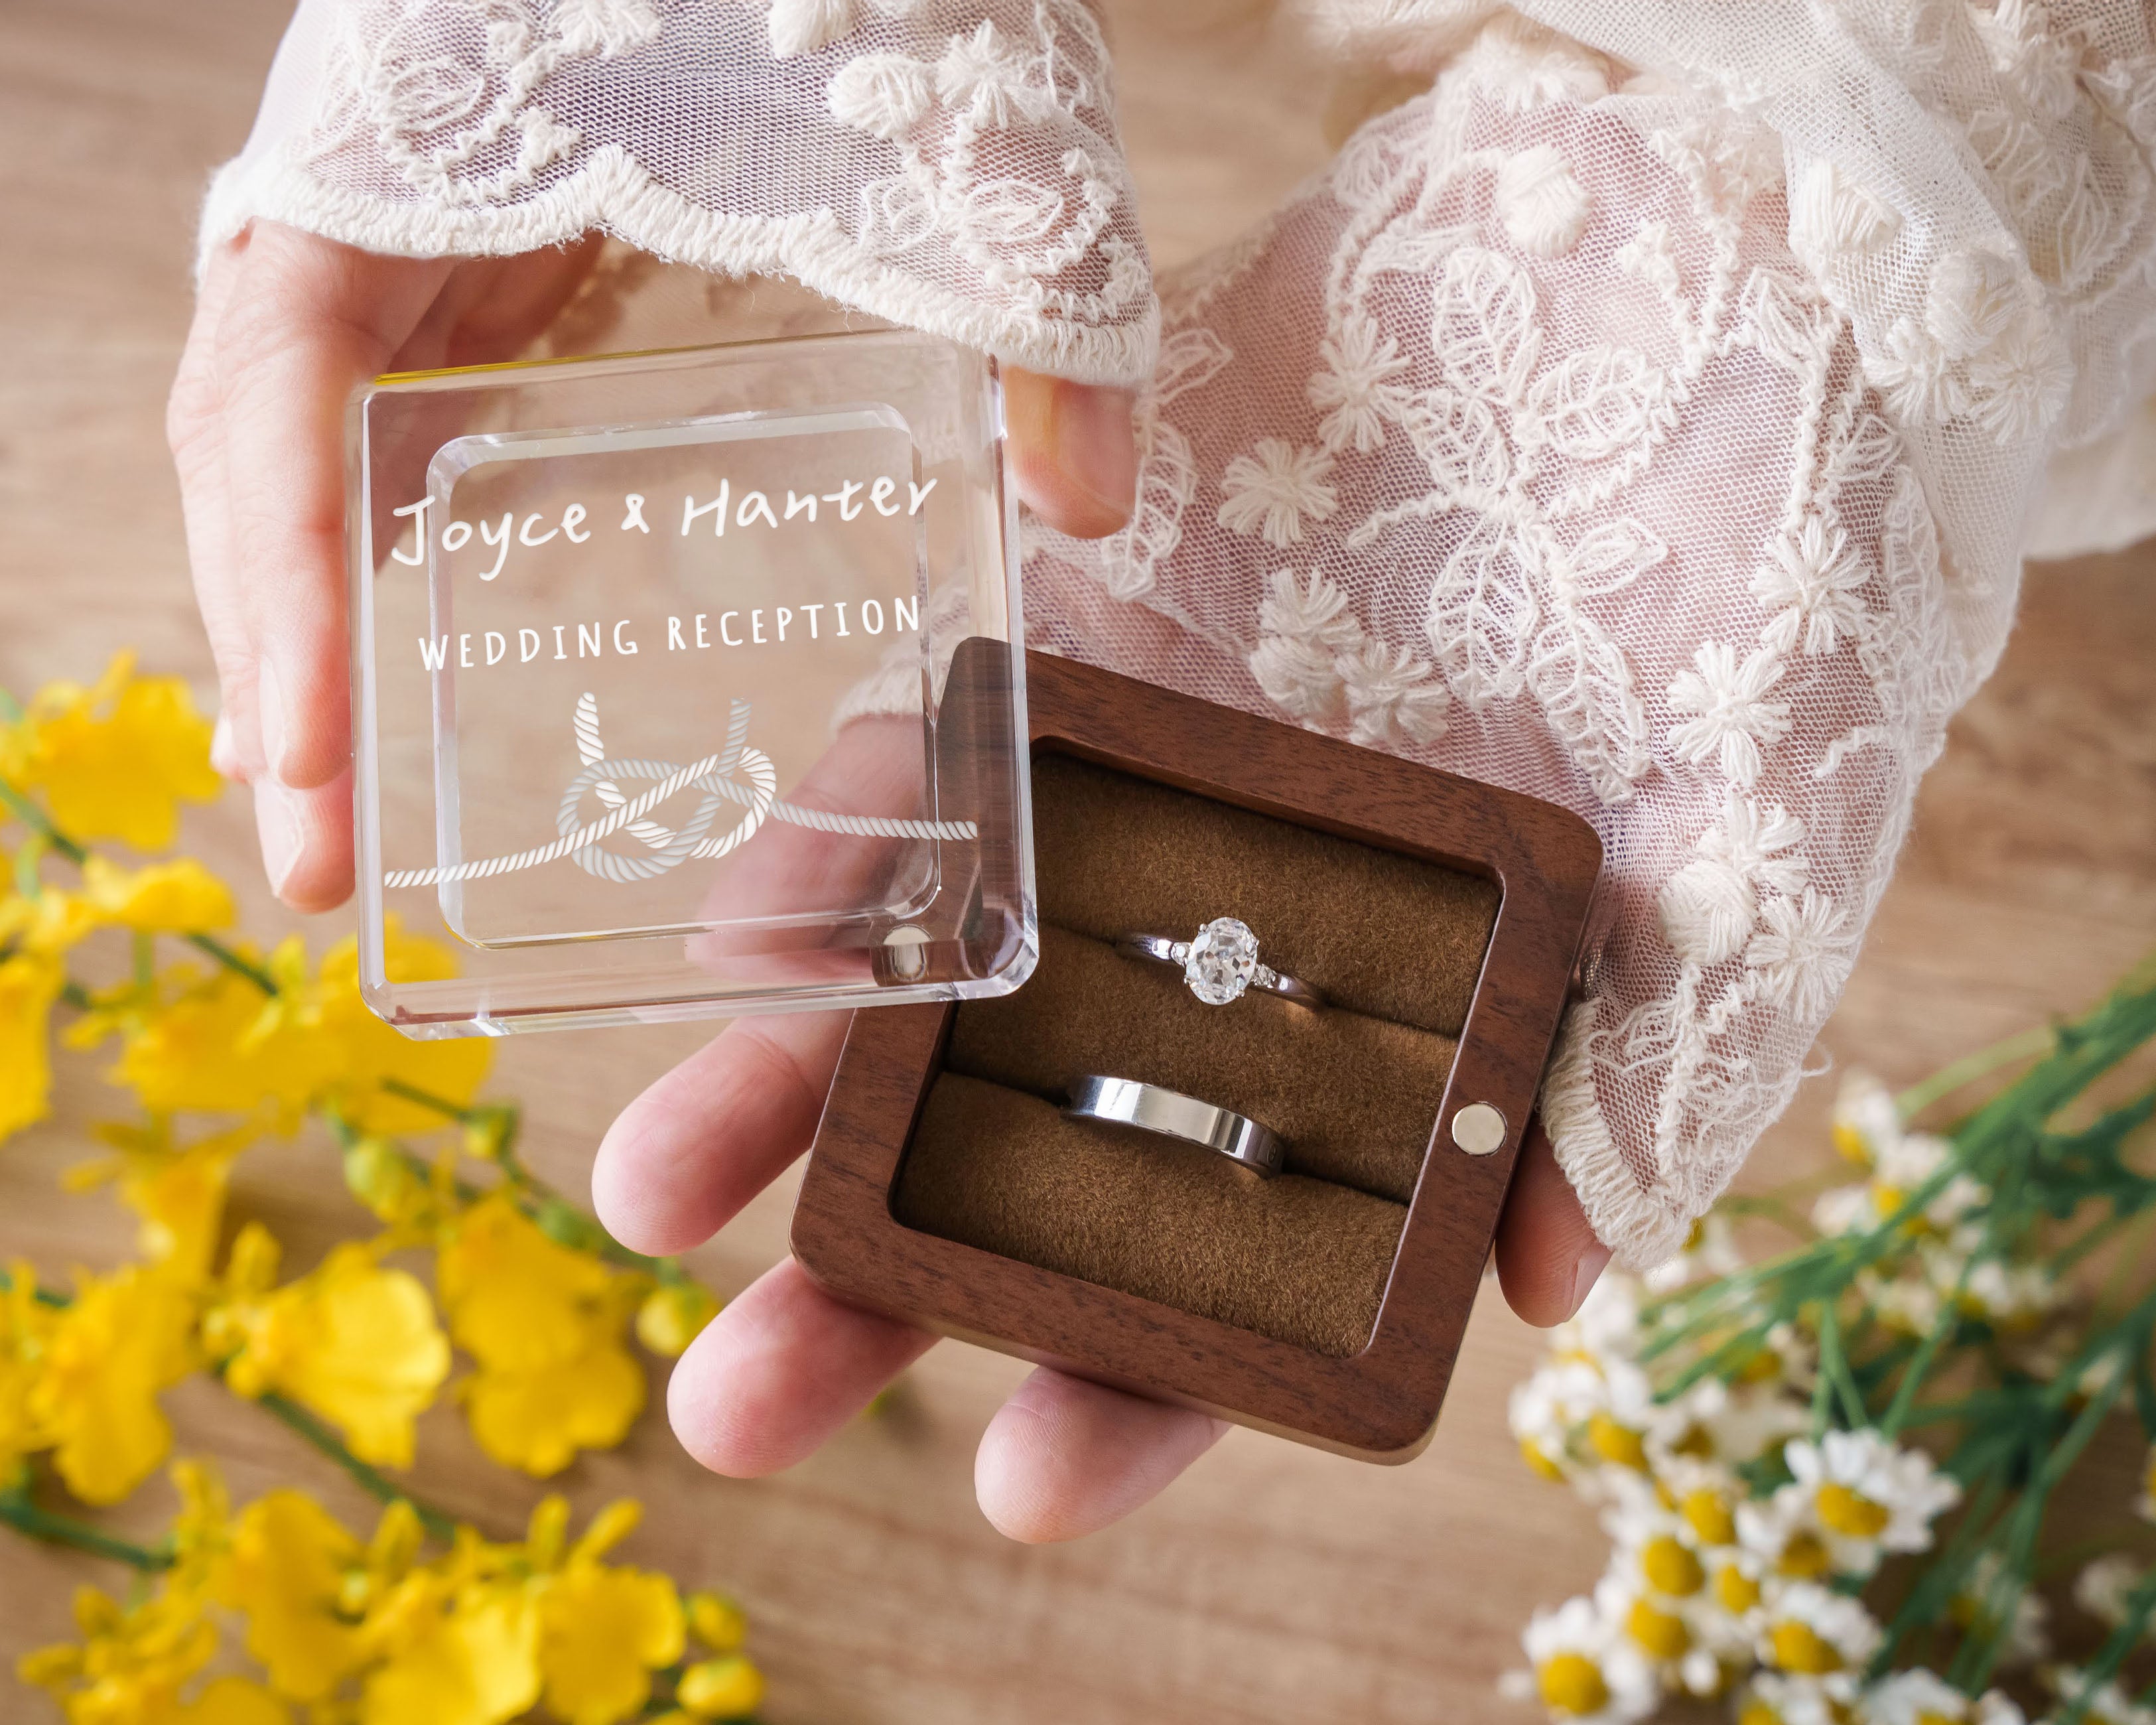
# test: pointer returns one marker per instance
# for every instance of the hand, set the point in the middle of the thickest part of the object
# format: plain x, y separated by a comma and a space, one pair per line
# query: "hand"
286, 326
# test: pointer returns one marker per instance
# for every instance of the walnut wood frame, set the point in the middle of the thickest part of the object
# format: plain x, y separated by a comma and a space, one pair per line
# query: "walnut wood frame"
1381, 1403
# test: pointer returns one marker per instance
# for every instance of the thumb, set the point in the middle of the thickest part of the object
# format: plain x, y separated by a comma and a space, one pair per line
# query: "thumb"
1073, 452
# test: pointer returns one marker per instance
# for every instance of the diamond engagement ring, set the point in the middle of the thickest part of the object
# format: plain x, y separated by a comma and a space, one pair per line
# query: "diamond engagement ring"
1126, 1102
1220, 963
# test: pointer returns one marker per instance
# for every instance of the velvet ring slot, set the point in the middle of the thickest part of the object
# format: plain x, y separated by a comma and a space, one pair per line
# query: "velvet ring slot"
1440, 918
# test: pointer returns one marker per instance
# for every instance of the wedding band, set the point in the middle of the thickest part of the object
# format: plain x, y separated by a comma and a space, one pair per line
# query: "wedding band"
1219, 963
1125, 1101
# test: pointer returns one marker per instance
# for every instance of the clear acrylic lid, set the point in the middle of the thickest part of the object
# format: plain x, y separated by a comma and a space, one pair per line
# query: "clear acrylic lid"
687, 684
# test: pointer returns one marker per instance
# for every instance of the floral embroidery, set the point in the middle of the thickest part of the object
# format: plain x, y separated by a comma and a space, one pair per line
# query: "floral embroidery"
1357, 389
1811, 582
1733, 716
1272, 491
1802, 955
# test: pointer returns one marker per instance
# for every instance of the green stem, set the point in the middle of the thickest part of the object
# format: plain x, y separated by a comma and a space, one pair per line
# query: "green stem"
39, 821
426, 1099
24, 1516
370, 1479
2026, 1045
233, 961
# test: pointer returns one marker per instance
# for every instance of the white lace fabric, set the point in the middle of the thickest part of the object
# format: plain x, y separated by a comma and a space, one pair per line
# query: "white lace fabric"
1646, 418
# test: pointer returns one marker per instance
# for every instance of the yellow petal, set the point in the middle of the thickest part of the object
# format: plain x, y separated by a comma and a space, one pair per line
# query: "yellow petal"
537, 1421
604, 1632
114, 761
234, 1701
369, 1051
28, 986
284, 1574
721, 1688
125, 1337
477, 1666
355, 1343
177, 897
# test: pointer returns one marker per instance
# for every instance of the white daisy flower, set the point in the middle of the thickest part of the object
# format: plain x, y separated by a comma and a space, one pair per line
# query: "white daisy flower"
1583, 1670
1976, 1608
1870, 1495
2009, 1297
1733, 716
1921, 1697
1709, 1250
1781, 1532
1550, 1409
1811, 582
1790, 1698
1865, 1119
1654, 1625
2104, 1587
1355, 391
1273, 489
2106, 1704
1813, 1632
1802, 955
1909, 1301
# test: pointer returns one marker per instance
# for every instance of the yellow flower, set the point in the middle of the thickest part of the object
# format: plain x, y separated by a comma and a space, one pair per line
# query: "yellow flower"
26, 1328
721, 1688
177, 897
603, 1631
369, 1051
673, 1315
220, 1046
114, 761
355, 1343
545, 1325
459, 1653
718, 1622
29, 983
50, 923
179, 1194
285, 1574
124, 1338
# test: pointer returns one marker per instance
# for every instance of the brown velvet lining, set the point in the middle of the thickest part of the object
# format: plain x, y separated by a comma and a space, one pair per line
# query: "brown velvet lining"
1395, 943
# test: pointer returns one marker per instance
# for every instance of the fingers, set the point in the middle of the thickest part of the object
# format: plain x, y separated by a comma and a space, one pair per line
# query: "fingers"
1063, 1457
780, 1370
684, 1157
306, 841
1547, 1256
305, 320
1072, 450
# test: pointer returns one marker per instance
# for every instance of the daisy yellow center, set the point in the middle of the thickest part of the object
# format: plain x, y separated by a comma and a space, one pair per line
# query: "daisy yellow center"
1850, 1143
1571, 1683
1850, 1513
1737, 1592
1697, 1441
1538, 1459
1662, 1634
1757, 1712
1799, 1647
1708, 1516
1804, 1558
1670, 1566
1929, 1718
1616, 1443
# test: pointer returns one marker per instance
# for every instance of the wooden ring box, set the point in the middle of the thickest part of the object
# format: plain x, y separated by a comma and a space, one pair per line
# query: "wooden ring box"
997, 1188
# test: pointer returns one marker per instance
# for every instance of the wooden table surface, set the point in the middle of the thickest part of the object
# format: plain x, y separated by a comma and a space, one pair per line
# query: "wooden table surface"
1274, 1584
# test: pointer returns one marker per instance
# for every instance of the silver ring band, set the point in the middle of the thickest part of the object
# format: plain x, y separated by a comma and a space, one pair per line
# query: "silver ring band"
1126, 1102
1213, 977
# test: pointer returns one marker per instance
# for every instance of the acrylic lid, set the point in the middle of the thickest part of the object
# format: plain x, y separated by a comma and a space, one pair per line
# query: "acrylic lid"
687, 684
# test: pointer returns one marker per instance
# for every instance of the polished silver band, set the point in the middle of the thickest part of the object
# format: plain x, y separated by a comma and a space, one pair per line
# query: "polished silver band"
1177, 953
1125, 1101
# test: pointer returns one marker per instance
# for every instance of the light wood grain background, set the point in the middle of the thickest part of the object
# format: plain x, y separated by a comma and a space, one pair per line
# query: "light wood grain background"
1274, 1584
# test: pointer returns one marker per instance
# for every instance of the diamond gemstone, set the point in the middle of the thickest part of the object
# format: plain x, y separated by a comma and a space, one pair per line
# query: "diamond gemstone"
1222, 959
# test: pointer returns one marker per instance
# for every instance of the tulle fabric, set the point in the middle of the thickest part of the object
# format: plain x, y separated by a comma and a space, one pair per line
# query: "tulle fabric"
1649, 417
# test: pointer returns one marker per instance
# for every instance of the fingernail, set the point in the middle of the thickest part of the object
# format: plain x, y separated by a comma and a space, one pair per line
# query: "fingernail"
270, 714
224, 752
1094, 446
1590, 1265
277, 825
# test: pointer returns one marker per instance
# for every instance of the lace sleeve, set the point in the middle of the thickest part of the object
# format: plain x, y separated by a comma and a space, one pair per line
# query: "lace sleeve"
1657, 442
950, 166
